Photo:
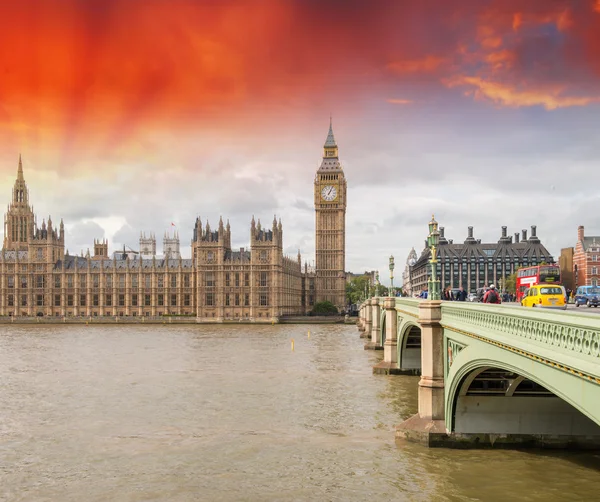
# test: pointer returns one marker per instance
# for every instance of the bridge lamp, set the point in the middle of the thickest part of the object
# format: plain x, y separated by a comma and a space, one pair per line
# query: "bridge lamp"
433, 241
392, 292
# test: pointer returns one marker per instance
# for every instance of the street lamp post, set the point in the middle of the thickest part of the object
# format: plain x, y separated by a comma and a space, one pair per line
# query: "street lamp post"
392, 292
377, 283
433, 241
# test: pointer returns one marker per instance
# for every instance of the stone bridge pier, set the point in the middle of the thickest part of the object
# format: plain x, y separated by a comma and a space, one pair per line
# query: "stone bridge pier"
430, 420
366, 332
375, 343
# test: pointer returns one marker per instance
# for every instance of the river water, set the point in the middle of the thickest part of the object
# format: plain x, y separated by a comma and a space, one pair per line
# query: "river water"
231, 413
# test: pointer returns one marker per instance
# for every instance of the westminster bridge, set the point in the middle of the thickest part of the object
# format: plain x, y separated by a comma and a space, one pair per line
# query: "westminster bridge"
491, 374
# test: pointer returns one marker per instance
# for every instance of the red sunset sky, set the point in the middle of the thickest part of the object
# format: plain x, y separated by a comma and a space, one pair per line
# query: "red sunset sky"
180, 97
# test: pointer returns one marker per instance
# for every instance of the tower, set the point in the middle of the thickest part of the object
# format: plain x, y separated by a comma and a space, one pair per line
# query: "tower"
171, 246
330, 226
147, 245
19, 221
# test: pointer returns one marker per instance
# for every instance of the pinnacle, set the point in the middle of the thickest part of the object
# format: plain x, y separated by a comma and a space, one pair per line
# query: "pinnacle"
330, 141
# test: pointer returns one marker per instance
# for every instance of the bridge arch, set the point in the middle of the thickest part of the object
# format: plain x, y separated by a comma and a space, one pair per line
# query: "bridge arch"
409, 345
494, 391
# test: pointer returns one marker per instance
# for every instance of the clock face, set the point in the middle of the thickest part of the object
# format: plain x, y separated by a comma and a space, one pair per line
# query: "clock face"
329, 193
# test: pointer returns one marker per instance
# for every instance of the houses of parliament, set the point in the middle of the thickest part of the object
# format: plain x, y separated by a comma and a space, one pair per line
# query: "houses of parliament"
217, 284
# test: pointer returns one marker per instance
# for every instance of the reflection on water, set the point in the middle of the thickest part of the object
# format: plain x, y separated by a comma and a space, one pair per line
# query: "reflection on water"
232, 413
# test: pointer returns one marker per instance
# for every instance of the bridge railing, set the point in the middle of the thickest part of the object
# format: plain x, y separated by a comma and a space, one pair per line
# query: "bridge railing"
567, 339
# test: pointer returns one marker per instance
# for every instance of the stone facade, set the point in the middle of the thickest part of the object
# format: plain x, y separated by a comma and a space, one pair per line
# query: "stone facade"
330, 207
258, 284
586, 259
474, 264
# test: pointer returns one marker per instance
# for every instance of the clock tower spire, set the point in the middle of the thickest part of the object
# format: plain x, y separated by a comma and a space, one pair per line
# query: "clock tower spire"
330, 225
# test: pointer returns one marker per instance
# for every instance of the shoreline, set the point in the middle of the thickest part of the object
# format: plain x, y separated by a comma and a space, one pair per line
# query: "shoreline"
172, 320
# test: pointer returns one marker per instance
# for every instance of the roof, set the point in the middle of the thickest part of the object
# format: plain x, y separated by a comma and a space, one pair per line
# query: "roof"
588, 242
108, 263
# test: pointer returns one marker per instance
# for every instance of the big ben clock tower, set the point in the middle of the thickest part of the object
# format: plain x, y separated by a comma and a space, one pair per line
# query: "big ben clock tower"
330, 209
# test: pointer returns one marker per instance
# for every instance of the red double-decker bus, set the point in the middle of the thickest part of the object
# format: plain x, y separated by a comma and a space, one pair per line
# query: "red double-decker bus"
540, 274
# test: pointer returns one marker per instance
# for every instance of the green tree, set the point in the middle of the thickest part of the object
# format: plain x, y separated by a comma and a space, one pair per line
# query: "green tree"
355, 289
324, 308
510, 284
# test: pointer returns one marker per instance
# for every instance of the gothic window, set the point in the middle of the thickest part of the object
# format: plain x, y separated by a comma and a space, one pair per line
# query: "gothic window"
95, 280
39, 281
134, 281
147, 300
82, 280
173, 280
109, 301
237, 280
227, 280
11, 301
237, 299
95, 300
109, 281
23, 281
227, 299
82, 299
148, 280
210, 299
210, 256
121, 300
161, 300
57, 300
264, 299
246, 280
247, 299
594, 270
173, 300
263, 256
160, 281
11, 281
134, 300
23, 300
263, 279
70, 300
209, 279
186, 300
186, 280
40, 300
40, 254
121, 280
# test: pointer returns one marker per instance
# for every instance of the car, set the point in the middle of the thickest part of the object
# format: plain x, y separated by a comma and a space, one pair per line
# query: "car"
472, 297
550, 296
587, 295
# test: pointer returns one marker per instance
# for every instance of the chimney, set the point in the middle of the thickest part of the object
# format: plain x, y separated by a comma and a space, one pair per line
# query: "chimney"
524, 235
533, 229
470, 233
441, 232
516, 237
503, 231
580, 234
451, 241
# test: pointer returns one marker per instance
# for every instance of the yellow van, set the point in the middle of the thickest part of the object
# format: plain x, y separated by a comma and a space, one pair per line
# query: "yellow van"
546, 296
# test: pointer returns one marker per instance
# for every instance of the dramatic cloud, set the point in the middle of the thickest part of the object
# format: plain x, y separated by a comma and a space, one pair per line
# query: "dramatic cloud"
133, 115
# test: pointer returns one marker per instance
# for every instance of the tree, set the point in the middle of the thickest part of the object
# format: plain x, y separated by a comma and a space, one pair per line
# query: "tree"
510, 283
324, 308
355, 289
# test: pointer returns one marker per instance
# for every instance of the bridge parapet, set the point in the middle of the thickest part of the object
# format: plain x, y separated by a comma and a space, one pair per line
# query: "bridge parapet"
565, 340
408, 306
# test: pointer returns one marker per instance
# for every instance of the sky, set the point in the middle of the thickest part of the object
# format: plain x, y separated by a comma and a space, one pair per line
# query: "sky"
135, 115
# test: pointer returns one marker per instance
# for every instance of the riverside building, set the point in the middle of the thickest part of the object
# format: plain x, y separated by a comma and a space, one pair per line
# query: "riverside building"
474, 264
216, 284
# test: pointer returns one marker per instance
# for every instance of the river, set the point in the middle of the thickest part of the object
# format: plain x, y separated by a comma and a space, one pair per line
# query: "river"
231, 413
